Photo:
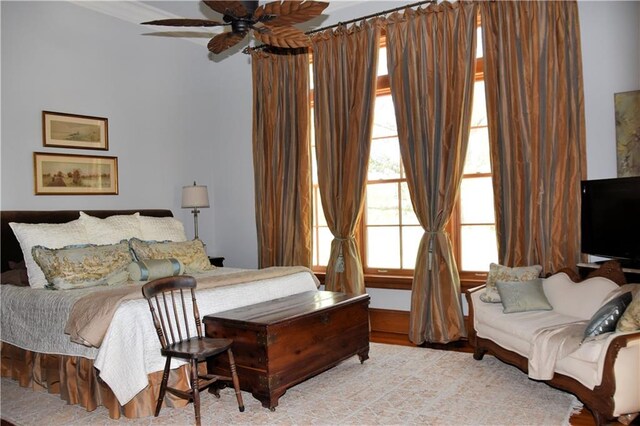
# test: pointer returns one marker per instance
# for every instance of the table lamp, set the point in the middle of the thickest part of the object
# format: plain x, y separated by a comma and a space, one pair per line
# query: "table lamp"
195, 196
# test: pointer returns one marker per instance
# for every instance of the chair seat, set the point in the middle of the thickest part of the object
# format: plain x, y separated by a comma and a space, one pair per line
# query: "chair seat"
197, 348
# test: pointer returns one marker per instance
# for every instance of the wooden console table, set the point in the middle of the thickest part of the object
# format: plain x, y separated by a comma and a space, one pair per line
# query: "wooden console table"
279, 343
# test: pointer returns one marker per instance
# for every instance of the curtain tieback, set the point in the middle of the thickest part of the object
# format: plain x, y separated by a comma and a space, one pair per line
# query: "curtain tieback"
340, 260
432, 233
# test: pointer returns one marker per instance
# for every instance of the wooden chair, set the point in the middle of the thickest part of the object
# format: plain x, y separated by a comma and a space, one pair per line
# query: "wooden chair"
168, 304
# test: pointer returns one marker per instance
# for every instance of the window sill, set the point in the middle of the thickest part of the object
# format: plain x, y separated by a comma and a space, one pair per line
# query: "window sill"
404, 283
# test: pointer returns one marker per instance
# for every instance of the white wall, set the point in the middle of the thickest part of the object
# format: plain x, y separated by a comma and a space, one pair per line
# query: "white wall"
175, 115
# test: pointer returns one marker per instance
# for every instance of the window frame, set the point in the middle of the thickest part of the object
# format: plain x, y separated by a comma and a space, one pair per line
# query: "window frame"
402, 279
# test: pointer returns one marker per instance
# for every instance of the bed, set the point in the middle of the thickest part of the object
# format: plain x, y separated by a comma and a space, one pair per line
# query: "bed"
123, 371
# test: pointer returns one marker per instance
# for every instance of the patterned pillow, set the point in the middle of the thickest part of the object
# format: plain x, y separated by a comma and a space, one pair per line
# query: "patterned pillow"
53, 235
630, 319
523, 296
152, 269
84, 266
190, 253
162, 229
112, 229
505, 273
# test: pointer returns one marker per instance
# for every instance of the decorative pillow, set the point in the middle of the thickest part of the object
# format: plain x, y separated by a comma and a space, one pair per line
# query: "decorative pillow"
112, 229
152, 269
190, 253
162, 229
606, 318
52, 235
522, 296
630, 319
507, 274
84, 266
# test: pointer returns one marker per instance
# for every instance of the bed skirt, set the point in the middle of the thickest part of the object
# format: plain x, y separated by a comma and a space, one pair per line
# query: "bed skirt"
77, 382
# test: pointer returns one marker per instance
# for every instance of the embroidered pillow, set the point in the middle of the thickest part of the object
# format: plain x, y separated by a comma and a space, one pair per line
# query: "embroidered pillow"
523, 296
630, 319
190, 253
52, 235
152, 269
606, 318
84, 266
112, 229
505, 273
161, 229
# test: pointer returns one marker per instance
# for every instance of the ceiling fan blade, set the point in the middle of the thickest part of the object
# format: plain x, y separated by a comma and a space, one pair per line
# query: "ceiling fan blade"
287, 37
233, 8
185, 23
289, 12
224, 41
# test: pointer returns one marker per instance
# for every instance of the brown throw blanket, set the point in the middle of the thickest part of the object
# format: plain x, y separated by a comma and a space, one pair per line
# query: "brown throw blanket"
91, 315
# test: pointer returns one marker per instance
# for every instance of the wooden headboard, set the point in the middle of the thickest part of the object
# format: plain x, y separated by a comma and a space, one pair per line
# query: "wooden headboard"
9, 246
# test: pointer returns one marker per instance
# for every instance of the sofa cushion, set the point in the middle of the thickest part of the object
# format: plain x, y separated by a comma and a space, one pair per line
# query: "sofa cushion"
579, 300
523, 296
606, 318
505, 273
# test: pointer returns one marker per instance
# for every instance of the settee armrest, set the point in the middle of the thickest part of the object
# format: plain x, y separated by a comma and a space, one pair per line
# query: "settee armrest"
620, 384
471, 331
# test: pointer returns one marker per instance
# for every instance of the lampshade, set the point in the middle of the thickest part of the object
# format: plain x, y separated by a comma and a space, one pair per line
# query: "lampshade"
195, 196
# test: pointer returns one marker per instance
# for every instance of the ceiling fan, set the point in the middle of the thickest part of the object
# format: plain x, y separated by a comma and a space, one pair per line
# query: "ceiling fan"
270, 23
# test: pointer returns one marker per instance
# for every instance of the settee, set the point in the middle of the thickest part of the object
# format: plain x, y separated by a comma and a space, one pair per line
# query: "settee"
603, 371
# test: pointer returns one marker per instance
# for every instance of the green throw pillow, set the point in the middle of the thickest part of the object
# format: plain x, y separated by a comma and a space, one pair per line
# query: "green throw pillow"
506, 273
523, 296
152, 269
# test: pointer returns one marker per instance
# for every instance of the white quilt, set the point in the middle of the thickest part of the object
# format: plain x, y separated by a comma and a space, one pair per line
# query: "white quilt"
130, 350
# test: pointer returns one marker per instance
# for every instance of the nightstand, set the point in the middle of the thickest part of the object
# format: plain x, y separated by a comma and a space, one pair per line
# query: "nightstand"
217, 261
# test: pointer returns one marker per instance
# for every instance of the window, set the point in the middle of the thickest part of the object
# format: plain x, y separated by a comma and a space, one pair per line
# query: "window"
390, 233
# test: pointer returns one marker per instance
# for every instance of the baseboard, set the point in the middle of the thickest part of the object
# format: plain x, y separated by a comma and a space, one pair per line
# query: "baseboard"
389, 321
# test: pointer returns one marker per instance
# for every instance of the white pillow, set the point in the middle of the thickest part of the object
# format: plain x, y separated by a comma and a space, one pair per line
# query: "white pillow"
112, 229
162, 229
50, 235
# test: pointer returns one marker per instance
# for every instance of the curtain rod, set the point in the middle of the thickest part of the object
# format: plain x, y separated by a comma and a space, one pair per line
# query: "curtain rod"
247, 49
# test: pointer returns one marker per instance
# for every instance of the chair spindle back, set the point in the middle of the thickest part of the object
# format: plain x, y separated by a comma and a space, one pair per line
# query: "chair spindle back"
167, 298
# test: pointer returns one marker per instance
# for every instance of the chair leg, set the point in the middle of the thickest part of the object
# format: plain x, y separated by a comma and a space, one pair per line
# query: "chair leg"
195, 389
236, 382
163, 385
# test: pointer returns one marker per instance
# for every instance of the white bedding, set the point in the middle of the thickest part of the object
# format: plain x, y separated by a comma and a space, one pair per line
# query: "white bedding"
130, 350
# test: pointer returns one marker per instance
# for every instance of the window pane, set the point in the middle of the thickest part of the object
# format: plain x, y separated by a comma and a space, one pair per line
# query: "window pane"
383, 247
384, 161
384, 119
320, 219
382, 61
408, 215
479, 247
479, 112
382, 204
476, 200
479, 53
411, 236
324, 245
478, 159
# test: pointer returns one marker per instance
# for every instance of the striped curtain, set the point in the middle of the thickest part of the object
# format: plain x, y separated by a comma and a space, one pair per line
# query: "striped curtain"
431, 60
344, 76
281, 157
535, 106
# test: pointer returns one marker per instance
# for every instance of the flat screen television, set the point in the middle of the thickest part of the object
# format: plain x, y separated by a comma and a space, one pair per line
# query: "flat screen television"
611, 219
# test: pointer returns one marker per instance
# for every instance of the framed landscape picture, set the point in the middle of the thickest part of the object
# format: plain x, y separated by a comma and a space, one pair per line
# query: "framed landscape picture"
627, 106
74, 131
67, 174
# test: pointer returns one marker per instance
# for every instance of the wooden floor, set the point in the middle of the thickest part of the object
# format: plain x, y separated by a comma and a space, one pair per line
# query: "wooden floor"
584, 418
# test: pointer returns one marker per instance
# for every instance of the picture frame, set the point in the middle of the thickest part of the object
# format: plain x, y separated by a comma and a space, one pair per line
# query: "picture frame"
627, 112
64, 130
73, 174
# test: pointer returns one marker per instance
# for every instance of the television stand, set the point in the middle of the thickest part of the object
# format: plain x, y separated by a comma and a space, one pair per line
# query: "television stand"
632, 275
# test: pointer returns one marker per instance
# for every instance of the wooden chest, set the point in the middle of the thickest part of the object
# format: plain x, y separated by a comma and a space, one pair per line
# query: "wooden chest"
280, 343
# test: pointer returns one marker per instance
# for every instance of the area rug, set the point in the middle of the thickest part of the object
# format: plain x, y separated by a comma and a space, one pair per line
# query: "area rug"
397, 385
